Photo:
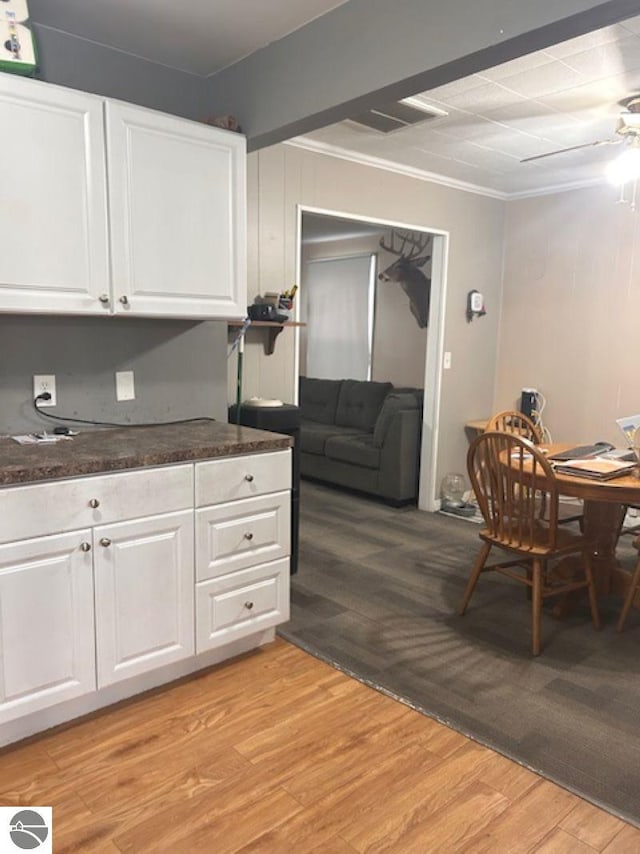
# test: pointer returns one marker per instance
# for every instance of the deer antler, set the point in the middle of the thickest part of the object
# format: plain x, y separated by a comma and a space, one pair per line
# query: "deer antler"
417, 241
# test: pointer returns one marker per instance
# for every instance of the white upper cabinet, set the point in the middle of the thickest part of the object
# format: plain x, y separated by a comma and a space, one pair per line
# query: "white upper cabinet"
106, 207
177, 196
53, 206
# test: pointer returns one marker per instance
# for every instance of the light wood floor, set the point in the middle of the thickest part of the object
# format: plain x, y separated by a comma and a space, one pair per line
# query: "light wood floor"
278, 752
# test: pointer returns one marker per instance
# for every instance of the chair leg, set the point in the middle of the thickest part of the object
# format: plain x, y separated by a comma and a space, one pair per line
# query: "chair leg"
629, 598
593, 599
475, 575
536, 606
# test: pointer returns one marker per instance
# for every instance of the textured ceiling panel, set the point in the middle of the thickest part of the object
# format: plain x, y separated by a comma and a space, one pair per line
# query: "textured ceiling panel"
566, 95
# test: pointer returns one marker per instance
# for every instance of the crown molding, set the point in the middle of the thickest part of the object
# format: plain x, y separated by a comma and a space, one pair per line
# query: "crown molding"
388, 165
557, 188
432, 177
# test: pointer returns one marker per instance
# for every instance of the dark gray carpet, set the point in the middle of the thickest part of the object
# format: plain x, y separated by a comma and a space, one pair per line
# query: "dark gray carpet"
376, 594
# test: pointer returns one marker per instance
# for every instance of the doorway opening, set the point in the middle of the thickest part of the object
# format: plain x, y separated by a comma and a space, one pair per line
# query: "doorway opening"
398, 338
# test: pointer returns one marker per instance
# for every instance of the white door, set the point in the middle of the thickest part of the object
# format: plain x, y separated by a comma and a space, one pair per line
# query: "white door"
47, 650
53, 210
178, 210
144, 582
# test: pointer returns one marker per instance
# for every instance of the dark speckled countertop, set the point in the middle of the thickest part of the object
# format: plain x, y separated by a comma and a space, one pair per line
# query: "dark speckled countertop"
95, 451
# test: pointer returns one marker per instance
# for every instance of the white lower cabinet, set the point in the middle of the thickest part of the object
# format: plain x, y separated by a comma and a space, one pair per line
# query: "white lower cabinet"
111, 594
144, 595
47, 647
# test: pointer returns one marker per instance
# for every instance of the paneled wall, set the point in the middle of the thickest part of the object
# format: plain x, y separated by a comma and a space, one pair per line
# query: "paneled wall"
571, 310
282, 177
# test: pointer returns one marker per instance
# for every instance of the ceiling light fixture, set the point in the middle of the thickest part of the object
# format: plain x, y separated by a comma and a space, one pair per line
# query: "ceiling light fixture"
624, 171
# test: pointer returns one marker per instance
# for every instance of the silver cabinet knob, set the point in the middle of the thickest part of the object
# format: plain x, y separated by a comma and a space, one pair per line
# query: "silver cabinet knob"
248, 605
94, 503
248, 478
105, 541
85, 547
124, 299
248, 535
104, 299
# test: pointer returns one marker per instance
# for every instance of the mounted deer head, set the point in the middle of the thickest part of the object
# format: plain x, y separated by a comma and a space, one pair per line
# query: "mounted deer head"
410, 249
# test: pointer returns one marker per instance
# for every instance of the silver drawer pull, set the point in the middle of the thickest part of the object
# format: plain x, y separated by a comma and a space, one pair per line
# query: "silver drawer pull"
248, 478
105, 541
248, 605
85, 547
94, 503
248, 535
124, 300
104, 299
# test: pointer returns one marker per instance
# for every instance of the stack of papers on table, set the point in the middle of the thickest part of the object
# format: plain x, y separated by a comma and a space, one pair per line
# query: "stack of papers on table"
598, 468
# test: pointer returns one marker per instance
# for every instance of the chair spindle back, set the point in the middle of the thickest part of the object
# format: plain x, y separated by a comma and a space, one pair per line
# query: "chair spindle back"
511, 421
511, 478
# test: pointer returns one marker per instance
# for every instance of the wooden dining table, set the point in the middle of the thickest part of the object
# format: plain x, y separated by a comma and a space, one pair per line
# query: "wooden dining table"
604, 508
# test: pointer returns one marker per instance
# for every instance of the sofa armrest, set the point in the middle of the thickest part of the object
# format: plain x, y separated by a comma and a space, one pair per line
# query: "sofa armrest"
400, 456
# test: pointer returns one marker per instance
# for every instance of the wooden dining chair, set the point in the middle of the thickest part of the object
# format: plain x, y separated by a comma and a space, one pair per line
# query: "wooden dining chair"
631, 592
510, 476
512, 421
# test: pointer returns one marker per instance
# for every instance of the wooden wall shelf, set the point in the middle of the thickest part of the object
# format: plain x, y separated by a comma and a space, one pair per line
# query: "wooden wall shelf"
274, 329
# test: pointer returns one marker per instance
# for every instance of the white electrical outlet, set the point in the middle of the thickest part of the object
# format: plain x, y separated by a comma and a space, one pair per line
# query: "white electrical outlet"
125, 389
42, 383
447, 361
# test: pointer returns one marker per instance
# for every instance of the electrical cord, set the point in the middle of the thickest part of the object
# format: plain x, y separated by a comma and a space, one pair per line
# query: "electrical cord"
541, 402
46, 396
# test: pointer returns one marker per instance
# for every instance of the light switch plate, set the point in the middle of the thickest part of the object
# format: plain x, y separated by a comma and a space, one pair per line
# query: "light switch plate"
447, 361
125, 388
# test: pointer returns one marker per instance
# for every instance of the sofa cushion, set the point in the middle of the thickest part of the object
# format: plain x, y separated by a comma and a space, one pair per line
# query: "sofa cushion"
394, 402
359, 403
313, 436
357, 450
319, 399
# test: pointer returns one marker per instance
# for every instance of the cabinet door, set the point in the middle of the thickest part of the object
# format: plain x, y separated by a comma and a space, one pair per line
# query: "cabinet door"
47, 651
178, 208
53, 210
144, 594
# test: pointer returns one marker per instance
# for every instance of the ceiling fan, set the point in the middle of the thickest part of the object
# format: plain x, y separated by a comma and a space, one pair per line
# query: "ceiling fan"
627, 129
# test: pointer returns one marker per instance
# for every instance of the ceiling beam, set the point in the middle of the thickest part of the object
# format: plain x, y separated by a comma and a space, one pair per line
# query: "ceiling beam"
368, 52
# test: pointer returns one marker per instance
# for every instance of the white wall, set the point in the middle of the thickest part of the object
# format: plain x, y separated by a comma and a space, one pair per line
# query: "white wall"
571, 309
284, 176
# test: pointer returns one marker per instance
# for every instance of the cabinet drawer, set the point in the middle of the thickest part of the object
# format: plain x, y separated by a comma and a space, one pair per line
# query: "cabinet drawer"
242, 477
54, 507
239, 534
240, 604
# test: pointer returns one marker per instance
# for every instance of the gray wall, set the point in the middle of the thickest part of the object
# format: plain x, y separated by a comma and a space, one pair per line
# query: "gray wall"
179, 367
70, 61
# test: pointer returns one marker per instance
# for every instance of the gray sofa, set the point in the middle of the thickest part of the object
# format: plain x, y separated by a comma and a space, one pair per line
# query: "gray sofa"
361, 435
